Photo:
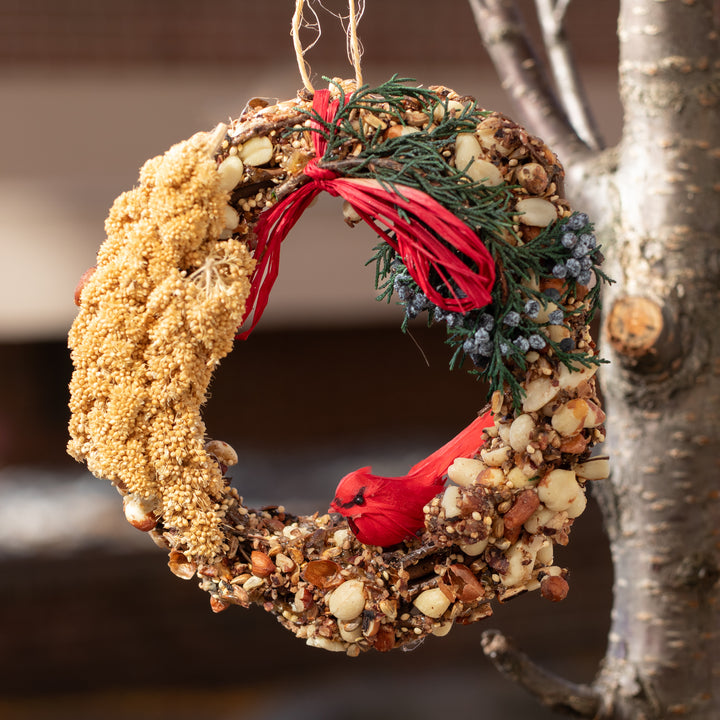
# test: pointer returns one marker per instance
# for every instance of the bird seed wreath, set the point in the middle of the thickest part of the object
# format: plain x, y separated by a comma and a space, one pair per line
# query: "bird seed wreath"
474, 232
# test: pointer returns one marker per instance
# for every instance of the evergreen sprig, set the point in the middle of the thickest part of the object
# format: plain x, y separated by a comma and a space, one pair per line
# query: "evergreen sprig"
496, 338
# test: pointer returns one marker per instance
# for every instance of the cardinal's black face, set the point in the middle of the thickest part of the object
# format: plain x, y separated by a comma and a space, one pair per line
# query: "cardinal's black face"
355, 501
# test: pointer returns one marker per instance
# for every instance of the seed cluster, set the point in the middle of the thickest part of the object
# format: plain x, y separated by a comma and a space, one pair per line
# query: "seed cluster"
156, 316
162, 309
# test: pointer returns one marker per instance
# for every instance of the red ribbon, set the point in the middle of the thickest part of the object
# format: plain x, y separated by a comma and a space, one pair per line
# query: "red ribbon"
409, 220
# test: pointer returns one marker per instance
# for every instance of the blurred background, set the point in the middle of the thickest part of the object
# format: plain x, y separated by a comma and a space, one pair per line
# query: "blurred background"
92, 623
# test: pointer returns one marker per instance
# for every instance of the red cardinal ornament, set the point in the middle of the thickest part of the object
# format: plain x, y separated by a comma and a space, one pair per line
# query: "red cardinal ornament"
385, 510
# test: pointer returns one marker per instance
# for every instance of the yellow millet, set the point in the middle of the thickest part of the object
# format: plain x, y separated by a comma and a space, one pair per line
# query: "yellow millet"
157, 315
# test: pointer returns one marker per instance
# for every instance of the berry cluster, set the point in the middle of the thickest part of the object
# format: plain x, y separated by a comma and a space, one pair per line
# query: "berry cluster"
498, 336
579, 264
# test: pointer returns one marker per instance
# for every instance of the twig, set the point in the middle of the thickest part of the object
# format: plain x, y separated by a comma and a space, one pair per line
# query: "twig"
506, 40
263, 127
552, 691
551, 14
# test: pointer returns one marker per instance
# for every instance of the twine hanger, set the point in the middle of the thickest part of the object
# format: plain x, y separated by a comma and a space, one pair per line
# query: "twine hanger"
349, 23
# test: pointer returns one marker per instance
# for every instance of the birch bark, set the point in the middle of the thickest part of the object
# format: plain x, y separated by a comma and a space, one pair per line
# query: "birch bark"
656, 201
662, 388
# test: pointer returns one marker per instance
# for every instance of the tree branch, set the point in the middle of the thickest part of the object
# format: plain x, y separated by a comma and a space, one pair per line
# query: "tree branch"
552, 691
551, 14
522, 74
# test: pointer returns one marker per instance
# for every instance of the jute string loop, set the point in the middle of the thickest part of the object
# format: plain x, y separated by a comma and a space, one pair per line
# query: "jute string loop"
354, 46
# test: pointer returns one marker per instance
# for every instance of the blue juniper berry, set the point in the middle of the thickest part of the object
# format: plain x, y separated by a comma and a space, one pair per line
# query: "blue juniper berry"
486, 321
577, 221
556, 317
512, 319
573, 267
585, 277
532, 308
568, 240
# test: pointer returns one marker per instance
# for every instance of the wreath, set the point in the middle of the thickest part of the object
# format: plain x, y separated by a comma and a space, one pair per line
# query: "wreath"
474, 233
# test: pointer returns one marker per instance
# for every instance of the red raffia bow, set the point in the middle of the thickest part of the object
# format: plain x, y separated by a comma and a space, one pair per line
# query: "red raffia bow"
425, 235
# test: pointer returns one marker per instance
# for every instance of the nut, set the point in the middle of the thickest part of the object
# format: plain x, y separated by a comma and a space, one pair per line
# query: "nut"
450, 502
495, 457
284, 563
256, 151
526, 503
231, 217
520, 432
597, 468
388, 607
574, 445
485, 173
492, 136
533, 178
595, 415
577, 505
503, 431
492, 477
260, 564
545, 554
539, 392
370, 624
182, 567
222, 452
467, 150
372, 122
347, 600
139, 511
252, 583
554, 588
159, 539
432, 602
536, 211
416, 118
303, 600
350, 635
321, 573
575, 415
442, 629
558, 489
521, 558
82, 282
570, 379
341, 536
399, 130
350, 215
475, 548
464, 471
465, 585
453, 107
325, 644
570, 417
518, 478
544, 518
230, 171
217, 605
557, 333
